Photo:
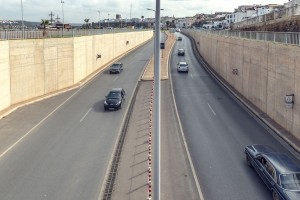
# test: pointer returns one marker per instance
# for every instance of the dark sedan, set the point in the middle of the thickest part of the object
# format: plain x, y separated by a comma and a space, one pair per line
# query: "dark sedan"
278, 171
116, 68
114, 99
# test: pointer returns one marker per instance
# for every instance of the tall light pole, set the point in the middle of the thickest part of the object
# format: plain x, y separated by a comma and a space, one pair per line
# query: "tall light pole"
157, 99
62, 9
99, 18
23, 34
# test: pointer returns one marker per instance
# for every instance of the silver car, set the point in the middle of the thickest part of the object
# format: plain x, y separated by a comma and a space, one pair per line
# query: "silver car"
182, 67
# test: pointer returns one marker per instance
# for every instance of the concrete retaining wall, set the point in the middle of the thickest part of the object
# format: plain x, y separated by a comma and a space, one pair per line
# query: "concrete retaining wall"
266, 73
32, 68
4, 75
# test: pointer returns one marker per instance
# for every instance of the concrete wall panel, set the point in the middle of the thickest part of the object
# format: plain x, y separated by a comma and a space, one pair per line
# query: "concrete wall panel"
4, 75
281, 82
255, 72
25, 64
80, 58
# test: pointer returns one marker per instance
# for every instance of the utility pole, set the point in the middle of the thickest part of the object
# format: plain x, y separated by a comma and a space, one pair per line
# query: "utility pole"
57, 19
130, 13
51, 17
63, 24
23, 33
99, 18
108, 21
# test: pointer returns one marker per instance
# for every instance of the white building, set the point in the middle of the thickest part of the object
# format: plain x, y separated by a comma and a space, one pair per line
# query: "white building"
263, 10
292, 7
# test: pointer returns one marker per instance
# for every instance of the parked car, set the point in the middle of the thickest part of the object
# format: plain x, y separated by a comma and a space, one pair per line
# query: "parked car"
179, 38
180, 52
182, 67
116, 68
114, 99
278, 171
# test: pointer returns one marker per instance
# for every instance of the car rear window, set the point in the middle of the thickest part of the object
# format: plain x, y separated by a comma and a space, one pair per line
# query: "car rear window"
115, 65
290, 181
114, 95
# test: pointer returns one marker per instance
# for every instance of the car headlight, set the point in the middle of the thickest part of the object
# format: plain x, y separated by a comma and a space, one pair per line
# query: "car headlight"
105, 103
119, 102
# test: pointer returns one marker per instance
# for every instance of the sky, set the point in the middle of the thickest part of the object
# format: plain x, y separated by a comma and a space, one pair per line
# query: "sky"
75, 11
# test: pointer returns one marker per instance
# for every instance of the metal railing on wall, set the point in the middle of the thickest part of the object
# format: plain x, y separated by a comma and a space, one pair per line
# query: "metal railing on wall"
282, 37
34, 34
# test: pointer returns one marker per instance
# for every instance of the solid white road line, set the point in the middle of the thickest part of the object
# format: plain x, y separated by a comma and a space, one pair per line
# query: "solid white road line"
19, 140
212, 110
85, 114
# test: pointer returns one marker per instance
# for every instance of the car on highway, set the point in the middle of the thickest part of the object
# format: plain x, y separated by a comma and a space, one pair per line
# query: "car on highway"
179, 38
114, 99
182, 67
277, 170
180, 52
116, 68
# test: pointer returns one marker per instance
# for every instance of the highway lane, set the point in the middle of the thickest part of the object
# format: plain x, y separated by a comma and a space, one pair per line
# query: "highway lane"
66, 156
217, 129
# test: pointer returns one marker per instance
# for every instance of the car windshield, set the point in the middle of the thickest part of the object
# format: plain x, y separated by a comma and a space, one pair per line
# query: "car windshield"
113, 95
182, 65
115, 66
290, 181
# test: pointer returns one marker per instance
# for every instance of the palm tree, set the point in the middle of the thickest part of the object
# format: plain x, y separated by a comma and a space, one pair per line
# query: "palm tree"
86, 22
44, 23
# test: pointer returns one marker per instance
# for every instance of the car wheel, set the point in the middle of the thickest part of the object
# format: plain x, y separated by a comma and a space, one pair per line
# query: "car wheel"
105, 108
120, 106
248, 160
275, 195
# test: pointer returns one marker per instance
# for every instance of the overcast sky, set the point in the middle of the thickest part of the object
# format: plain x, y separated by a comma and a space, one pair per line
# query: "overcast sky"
75, 11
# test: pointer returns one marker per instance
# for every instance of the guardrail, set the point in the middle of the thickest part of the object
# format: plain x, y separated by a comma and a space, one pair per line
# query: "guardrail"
35, 34
282, 37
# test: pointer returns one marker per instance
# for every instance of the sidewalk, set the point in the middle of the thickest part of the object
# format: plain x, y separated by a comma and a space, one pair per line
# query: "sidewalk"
149, 71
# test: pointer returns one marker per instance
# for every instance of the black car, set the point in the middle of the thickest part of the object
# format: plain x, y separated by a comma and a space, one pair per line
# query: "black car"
116, 68
179, 38
114, 99
278, 171
180, 52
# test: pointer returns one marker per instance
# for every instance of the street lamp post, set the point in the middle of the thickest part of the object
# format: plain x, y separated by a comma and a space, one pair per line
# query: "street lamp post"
99, 18
23, 34
63, 24
157, 103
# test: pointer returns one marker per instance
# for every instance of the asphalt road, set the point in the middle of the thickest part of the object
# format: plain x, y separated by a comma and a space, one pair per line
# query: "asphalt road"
217, 129
60, 148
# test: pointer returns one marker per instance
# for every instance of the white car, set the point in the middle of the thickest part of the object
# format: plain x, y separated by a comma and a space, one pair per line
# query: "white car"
182, 67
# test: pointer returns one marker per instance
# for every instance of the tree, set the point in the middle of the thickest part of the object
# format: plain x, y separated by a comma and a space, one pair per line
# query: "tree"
168, 23
86, 23
44, 23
